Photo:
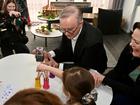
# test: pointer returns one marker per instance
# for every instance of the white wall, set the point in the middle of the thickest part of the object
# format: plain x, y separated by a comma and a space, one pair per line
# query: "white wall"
34, 7
129, 10
137, 16
128, 13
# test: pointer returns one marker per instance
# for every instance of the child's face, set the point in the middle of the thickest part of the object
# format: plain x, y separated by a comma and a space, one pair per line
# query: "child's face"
11, 7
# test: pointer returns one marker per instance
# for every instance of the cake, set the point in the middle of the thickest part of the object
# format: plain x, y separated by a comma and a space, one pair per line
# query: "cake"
49, 11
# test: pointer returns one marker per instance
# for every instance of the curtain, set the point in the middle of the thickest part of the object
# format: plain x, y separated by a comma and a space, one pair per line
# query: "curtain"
117, 4
34, 7
23, 8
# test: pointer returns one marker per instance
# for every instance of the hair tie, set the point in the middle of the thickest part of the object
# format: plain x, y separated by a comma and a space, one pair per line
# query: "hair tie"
87, 98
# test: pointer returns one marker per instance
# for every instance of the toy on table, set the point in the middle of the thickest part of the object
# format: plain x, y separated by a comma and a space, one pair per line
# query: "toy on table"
51, 75
45, 85
46, 81
39, 54
37, 81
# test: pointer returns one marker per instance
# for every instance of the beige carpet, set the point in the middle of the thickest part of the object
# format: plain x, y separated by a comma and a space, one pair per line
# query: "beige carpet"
111, 60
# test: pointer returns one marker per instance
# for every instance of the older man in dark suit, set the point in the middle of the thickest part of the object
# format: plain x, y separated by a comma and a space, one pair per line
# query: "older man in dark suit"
81, 43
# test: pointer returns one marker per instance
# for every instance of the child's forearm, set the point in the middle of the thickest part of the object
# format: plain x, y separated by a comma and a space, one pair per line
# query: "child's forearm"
55, 71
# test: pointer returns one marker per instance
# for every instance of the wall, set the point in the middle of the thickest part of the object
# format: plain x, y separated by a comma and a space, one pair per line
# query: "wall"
34, 7
129, 10
137, 16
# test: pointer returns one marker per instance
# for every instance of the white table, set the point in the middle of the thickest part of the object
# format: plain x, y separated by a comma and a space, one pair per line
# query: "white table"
20, 71
53, 34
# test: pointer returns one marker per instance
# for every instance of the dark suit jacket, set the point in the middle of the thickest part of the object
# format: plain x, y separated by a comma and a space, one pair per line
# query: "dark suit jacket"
119, 78
89, 51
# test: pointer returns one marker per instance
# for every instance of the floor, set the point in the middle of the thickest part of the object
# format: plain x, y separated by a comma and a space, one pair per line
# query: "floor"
116, 43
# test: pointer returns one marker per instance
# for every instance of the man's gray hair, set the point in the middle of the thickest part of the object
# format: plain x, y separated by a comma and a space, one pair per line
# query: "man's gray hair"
71, 10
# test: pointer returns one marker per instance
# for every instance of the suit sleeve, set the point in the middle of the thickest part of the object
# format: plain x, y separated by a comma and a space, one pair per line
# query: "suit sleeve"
64, 51
95, 57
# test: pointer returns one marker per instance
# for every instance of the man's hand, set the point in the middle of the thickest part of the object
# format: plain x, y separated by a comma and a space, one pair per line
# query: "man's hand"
49, 60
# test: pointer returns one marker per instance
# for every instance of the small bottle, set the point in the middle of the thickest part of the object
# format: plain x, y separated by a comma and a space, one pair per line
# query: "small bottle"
51, 75
46, 84
37, 83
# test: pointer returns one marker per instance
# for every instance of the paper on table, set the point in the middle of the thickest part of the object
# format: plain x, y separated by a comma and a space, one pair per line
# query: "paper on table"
7, 90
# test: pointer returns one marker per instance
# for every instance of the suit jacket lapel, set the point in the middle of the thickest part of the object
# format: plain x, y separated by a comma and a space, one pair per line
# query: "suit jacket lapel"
80, 44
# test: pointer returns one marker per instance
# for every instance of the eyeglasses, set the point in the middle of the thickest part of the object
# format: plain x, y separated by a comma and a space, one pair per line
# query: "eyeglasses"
69, 30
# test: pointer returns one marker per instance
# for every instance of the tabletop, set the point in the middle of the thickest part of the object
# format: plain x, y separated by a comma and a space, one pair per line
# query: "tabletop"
19, 70
54, 33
